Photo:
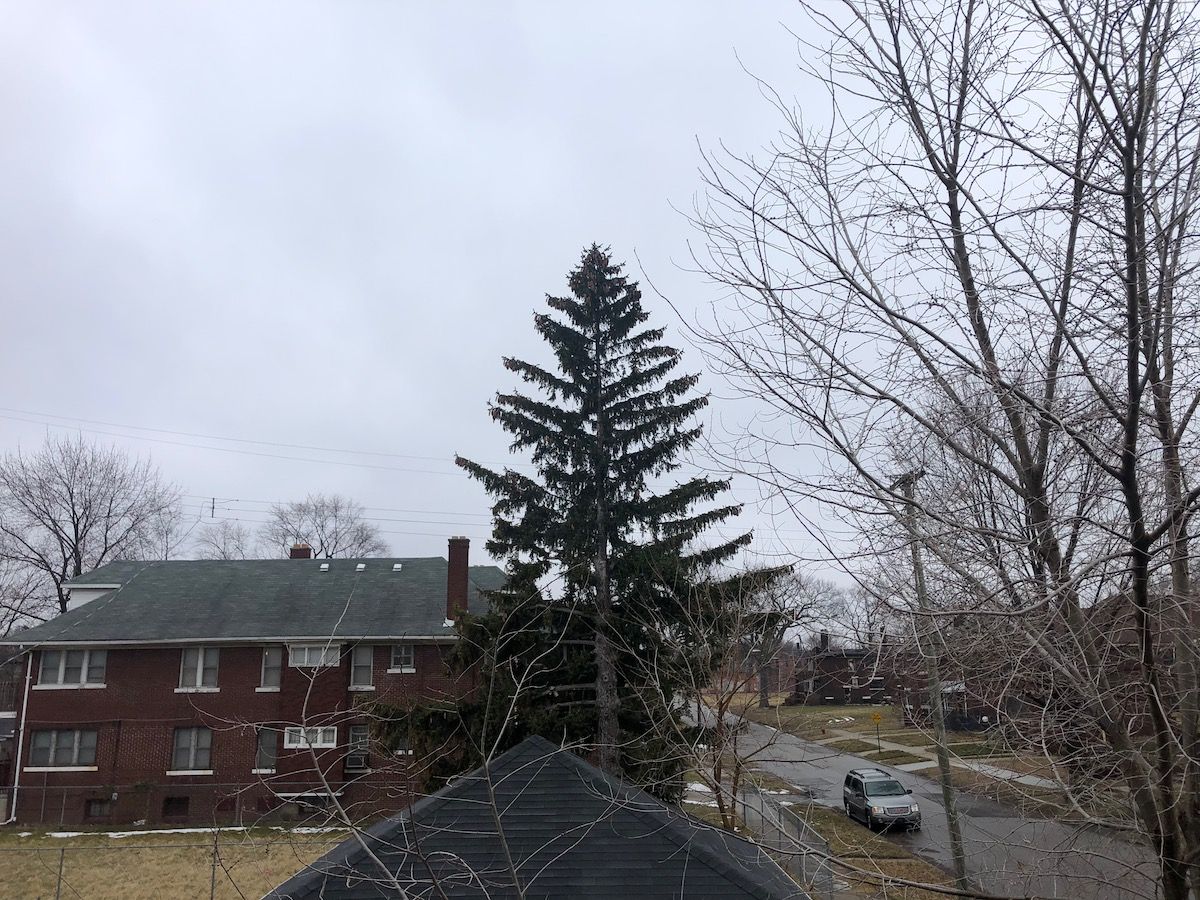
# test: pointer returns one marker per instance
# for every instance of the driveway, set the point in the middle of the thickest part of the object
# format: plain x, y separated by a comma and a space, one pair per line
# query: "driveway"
1007, 854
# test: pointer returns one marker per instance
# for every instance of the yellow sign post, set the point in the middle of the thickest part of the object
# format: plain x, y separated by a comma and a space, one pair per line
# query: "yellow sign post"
877, 718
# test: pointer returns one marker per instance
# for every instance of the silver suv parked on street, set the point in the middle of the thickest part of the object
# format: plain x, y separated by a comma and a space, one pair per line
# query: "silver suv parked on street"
878, 799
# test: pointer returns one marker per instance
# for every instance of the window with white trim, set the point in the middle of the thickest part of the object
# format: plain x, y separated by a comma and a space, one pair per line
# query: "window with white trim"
198, 668
272, 667
358, 754
362, 661
320, 738
192, 750
401, 747
265, 750
62, 748
404, 659
311, 656
72, 668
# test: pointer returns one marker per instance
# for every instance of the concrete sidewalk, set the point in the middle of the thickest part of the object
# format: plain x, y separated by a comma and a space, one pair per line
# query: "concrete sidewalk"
930, 759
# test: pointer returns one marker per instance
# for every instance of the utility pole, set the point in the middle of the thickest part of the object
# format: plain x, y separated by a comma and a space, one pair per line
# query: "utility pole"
931, 655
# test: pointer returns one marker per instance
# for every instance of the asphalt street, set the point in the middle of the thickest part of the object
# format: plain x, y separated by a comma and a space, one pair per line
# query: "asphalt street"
1007, 854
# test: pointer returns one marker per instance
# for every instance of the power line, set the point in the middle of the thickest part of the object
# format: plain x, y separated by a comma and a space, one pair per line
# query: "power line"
305, 459
22, 415
218, 437
428, 512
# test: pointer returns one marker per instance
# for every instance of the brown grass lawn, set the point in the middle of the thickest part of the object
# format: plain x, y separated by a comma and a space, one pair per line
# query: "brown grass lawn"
852, 745
154, 867
813, 722
910, 738
894, 757
871, 852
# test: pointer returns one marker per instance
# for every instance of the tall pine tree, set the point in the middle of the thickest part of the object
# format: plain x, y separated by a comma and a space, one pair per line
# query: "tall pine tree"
610, 550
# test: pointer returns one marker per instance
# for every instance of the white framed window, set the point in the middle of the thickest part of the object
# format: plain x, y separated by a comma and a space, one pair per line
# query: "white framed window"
72, 668
401, 747
265, 750
404, 659
362, 661
64, 748
311, 656
358, 756
272, 668
192, 751
320, 738
198, 669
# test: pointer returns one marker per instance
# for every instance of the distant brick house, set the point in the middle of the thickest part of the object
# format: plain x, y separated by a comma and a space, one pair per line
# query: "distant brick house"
201, 691
839, 675
744, 672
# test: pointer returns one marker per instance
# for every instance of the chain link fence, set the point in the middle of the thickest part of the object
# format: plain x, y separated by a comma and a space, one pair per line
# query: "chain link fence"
798, 849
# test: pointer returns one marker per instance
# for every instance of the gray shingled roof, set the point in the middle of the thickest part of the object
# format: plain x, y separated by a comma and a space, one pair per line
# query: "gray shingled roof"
572, 832
253, 599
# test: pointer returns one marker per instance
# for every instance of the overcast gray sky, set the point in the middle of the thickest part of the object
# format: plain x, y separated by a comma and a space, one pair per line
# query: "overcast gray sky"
322, 224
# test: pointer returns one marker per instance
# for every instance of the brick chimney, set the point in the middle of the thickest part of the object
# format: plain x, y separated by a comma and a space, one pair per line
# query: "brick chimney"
456, 577
824, 640
300, 551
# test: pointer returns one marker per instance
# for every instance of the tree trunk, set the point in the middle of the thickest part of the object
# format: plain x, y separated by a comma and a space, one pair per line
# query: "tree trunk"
937, 709
607, 730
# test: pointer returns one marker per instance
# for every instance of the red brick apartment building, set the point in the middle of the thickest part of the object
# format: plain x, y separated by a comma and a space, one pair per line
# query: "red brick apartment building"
840, 675
201, 691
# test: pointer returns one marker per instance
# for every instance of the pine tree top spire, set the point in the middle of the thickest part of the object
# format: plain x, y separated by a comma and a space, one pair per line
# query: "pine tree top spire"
610, 419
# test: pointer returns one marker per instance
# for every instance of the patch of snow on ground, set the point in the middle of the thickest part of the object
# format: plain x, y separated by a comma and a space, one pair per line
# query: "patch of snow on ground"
310, 829
302, 829
142, 832
697, 786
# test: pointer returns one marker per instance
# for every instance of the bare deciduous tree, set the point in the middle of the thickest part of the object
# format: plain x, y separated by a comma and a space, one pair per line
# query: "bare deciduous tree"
712, 655
19, 592
331, 524
73, 506
982, 269
226, 539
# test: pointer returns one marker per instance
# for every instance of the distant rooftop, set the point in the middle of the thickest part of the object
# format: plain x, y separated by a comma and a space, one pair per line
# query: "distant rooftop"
262, 599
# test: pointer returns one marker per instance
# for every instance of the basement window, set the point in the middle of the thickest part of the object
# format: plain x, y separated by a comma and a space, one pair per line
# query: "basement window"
175, 807
97, 809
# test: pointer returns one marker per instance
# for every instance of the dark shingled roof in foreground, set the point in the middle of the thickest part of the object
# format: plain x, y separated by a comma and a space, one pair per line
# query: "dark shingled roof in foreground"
254, 599
572, 832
